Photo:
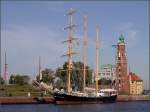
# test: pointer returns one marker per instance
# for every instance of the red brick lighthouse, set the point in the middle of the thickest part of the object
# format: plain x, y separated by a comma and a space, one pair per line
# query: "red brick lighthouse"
122, 82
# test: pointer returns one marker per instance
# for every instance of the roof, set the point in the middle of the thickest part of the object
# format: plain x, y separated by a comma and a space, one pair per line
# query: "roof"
121, 39
134, 77
108, 66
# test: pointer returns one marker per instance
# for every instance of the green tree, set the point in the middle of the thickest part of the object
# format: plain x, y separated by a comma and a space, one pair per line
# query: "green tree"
47, 76
59, 84
11, 79
26, 79
19, 79
61, 74
1, 80
104, 81
76, 75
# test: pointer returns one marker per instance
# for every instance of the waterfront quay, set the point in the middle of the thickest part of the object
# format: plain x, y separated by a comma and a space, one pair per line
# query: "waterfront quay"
48, 100
26, 100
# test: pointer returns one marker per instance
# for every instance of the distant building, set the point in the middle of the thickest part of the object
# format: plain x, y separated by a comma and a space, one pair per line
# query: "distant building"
136, 84
107, 71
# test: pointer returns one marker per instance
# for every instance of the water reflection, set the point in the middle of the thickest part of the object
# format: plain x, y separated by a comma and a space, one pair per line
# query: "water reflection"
143, 106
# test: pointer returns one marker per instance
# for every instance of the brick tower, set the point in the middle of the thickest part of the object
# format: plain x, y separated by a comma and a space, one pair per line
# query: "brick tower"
122, 82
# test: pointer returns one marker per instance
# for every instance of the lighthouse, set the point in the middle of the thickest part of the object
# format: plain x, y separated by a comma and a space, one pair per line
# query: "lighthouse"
122, 81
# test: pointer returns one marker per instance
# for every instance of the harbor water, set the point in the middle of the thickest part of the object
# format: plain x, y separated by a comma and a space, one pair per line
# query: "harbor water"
138, 106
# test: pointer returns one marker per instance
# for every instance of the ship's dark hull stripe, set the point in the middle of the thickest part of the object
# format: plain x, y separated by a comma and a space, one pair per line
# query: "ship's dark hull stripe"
69, 99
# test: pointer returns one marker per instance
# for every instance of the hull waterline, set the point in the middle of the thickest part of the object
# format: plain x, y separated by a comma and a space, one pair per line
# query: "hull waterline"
70, 99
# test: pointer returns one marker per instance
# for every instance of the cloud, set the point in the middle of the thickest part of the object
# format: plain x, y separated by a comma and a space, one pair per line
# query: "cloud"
130, 32
57, 7
24, 45
125, 26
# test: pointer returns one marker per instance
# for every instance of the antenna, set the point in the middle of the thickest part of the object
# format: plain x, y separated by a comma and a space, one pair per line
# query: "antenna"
5, 69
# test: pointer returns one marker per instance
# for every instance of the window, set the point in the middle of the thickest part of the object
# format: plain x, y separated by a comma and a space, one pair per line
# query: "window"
119, 81
119, 74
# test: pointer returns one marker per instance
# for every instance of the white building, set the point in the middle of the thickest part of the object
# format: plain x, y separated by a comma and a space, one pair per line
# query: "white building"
107, 71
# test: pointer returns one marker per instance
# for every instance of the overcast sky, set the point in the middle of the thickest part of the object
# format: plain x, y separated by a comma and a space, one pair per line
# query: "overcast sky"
33, 29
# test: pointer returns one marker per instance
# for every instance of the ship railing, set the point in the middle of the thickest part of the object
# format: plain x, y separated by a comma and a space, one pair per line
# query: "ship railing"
79, 94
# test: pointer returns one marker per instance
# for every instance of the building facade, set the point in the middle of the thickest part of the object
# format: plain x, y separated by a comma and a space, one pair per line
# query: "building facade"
122, 81
136, 84
107, 71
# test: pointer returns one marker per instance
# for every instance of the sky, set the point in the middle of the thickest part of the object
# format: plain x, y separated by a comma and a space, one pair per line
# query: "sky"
30, 29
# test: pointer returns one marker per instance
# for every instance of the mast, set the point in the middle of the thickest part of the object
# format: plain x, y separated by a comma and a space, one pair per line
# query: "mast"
97, 57
85, 39
40, 75
70, 40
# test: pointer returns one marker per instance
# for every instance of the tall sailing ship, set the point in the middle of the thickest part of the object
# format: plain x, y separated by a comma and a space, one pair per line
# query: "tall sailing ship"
95, 95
